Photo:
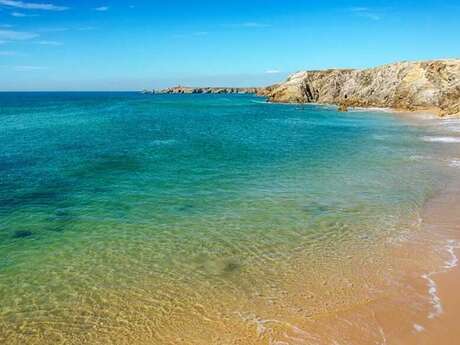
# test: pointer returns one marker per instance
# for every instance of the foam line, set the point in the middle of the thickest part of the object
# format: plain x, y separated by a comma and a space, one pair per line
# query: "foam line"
447, 140
432, 286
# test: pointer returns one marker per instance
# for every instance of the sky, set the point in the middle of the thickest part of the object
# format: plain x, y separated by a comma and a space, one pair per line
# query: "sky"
90, 45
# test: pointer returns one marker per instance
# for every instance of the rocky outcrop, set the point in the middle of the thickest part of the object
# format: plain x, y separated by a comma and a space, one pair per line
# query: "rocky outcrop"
414, 86
218, 90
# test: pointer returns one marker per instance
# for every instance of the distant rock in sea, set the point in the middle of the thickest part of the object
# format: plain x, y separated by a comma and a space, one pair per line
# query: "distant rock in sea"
218, 90
432, 86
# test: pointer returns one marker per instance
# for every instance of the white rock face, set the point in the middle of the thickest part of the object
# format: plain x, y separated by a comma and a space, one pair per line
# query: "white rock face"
428, 85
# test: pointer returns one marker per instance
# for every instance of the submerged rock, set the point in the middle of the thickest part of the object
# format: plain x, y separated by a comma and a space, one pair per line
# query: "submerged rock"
22, 234
231, 266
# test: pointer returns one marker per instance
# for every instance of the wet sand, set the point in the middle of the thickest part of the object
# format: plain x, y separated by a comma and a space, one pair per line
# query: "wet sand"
442, 216
429, 311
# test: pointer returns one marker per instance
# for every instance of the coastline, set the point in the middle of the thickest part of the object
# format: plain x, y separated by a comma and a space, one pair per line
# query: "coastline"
438, 324
439, 234
443, 286
416, 114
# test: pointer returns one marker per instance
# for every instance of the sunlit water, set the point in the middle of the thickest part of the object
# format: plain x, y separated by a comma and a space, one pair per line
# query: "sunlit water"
166, 219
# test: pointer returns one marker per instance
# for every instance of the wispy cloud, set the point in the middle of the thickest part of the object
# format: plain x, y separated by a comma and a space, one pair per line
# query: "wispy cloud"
49, 43
102, 8
11, 35
6, 26
272, 71
364, 12
28, 68
32, 5
22, 15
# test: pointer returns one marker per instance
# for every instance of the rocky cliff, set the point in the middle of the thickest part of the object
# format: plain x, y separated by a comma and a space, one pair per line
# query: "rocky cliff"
415, 86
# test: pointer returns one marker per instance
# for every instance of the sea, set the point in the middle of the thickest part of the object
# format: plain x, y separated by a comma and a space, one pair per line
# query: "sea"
207, 219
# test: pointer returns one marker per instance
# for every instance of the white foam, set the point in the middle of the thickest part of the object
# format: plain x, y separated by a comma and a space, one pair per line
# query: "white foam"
371, 109
435, 299
455, 163
266, 327
452, 125
447, 140
432, 286
418, 328
453, 261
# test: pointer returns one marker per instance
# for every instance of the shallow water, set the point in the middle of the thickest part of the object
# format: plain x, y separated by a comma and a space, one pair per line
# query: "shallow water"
183, 218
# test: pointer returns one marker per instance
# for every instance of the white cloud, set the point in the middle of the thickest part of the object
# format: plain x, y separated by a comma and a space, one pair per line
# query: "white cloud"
272, 71
49, 43
102, 8
364, 12
32, 5
10, 35
22, 15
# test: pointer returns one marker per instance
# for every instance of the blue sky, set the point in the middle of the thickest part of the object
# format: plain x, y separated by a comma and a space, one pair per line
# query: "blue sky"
135, 44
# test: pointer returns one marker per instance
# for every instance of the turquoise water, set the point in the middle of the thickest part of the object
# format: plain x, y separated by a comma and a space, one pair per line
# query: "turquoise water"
120, 213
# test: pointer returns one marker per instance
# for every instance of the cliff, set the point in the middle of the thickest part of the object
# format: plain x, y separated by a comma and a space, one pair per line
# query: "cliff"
415, 86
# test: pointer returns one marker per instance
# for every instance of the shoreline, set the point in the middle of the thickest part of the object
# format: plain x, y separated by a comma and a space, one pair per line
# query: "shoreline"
420, 305
418, 114
427, 113
443, 285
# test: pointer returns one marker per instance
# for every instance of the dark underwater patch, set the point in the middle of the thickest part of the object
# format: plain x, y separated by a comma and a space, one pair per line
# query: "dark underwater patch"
315, 208
185, 208
231, 267
108, 164
47, 194
61, 220
22, 234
